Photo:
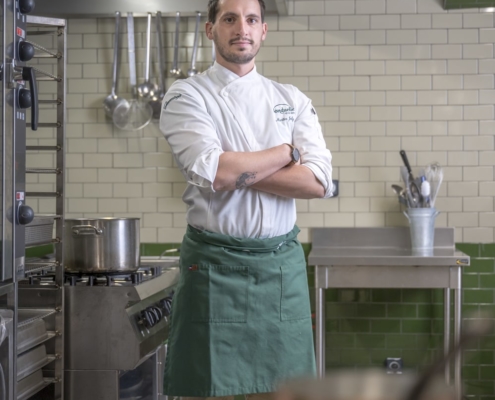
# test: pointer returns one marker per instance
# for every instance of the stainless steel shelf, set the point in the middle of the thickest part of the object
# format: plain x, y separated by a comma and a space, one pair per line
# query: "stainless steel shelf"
29, 315
33, 335
43, 194
32, 361
42, 243
44, 148
32, 384
43, 171
37, 267
6, 288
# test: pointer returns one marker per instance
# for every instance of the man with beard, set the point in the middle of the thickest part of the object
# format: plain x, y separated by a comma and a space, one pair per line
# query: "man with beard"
248, 147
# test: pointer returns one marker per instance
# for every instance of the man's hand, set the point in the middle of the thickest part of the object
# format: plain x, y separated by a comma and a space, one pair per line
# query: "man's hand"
296, 182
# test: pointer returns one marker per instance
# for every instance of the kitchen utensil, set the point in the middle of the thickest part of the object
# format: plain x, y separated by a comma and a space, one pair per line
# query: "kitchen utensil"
193, 71
175, 71
401, 192
134, 114
405, 178
101, 245
412, 186
156, 100
425, 191
147, 88
112, 100
434, 174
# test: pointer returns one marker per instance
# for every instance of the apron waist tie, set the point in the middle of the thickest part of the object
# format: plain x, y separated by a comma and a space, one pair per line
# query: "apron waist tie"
252, 245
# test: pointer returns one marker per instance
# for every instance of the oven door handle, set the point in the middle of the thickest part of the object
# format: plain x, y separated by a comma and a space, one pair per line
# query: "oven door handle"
29, 75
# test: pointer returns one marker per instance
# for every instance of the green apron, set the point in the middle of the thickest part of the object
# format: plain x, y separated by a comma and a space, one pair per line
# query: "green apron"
241, 319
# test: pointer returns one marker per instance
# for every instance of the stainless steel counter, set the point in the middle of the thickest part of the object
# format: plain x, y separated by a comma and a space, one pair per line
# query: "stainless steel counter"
382, 258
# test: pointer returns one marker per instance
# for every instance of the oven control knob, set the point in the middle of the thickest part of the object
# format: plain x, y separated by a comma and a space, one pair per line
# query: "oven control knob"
26, 51
26, 6
25, 214
147, 318
24, 98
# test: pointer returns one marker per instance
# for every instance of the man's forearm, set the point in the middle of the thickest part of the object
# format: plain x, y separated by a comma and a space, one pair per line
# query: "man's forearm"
296, 182
242, 169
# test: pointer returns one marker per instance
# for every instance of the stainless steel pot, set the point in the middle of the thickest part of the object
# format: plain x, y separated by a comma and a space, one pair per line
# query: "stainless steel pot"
101, 245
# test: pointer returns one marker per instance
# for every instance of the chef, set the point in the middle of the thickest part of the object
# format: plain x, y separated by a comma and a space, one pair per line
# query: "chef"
248, 147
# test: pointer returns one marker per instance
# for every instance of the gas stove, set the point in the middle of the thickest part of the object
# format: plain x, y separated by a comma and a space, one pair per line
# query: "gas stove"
114, 324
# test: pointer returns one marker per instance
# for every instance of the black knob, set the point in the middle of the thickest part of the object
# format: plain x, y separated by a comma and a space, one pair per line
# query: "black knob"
25, 214
26, 6
147, 318
26, 51
24, 98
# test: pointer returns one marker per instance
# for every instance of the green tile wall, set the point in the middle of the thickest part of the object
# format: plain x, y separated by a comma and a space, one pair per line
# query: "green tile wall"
454, 4
364, 327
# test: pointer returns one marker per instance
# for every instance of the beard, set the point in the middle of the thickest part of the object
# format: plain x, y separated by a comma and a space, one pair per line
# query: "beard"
243, 57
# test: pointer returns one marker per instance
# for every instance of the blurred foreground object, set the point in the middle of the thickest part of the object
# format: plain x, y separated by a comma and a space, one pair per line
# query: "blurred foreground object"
368, 384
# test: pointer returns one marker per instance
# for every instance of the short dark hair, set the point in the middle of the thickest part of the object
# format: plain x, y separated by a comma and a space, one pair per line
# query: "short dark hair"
213, 10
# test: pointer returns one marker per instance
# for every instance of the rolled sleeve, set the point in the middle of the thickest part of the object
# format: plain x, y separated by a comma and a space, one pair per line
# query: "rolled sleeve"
191, 134
308, 138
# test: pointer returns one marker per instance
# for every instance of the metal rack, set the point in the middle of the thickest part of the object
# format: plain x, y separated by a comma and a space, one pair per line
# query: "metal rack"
41, 301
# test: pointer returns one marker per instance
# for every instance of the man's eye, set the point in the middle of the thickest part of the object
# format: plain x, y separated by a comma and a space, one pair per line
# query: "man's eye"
252, 20
229, 20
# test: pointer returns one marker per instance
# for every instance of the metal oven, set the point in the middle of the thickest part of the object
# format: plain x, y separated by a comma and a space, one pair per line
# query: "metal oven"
116, 327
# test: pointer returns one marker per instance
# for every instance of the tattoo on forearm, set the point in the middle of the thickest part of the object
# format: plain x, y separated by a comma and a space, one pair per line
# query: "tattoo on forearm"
245, 179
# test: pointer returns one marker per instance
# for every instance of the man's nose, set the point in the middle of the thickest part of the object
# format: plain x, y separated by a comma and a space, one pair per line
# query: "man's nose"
241, 27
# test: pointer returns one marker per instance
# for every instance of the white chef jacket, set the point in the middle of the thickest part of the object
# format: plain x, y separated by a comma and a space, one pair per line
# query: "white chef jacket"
217, 111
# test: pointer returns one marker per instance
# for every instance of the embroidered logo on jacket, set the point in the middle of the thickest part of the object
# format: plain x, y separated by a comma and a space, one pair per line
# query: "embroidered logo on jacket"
284, 112
283, 109
173, 98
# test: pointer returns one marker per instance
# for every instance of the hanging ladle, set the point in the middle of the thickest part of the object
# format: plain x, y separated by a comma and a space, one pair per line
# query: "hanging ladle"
146, 89
175, 71
156, 100
193, 71
112, 100
136, 113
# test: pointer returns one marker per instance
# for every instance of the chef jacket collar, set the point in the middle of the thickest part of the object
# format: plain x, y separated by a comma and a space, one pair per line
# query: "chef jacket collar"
226, 76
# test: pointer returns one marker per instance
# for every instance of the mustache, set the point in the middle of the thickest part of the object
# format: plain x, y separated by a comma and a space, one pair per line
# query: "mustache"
232, 41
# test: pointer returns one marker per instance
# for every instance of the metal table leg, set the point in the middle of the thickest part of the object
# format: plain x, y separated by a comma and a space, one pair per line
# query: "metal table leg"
446, 331
457, 336
320, 327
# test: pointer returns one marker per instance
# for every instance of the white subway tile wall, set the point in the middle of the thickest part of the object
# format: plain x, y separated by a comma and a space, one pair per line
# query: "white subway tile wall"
384, 75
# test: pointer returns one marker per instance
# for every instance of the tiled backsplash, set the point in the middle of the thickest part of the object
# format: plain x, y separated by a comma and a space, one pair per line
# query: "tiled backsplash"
384, 75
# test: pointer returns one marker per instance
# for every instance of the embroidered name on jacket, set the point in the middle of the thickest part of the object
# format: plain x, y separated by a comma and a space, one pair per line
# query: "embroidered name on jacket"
173, 98
284, 112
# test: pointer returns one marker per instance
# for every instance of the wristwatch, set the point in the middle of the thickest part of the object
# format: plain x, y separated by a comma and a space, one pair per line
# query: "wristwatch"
296, 156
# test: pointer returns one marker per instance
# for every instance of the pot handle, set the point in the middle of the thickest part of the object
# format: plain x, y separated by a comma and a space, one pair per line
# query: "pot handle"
86, 230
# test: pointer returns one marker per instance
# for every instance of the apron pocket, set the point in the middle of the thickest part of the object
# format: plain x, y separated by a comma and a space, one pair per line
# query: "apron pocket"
218, 293
294, 302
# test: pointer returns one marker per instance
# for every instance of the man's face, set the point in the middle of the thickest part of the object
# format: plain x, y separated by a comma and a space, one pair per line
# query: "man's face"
237, 31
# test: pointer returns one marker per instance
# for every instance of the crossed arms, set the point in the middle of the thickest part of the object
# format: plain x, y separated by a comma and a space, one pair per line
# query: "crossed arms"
266, 171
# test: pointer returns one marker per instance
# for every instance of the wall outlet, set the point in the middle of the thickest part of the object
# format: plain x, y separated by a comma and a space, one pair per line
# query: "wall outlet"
393, 365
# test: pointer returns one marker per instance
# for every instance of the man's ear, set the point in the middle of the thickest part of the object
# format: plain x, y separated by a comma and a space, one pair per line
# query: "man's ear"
208, 29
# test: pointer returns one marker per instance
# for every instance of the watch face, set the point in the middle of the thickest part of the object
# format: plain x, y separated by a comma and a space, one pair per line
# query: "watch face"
295, 155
